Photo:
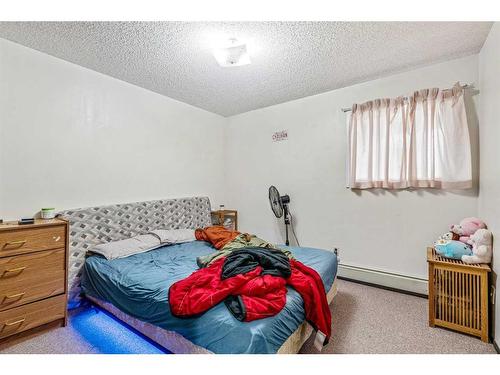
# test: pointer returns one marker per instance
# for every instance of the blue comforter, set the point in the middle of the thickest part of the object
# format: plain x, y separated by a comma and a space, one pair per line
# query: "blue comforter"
138, 285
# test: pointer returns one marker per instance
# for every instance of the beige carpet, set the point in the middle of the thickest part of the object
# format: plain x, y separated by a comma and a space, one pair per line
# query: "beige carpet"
365, 320
372, 320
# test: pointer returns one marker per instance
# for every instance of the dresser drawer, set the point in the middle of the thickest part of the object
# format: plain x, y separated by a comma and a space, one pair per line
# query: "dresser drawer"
31, 277
21, 241
22, 318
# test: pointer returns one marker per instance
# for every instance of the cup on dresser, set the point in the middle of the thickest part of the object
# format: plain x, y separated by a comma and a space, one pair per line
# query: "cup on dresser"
48, 213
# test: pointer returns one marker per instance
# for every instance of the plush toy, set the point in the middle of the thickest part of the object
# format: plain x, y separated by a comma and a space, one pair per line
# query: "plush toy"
452, 249
449, 236
482, 250
467, 227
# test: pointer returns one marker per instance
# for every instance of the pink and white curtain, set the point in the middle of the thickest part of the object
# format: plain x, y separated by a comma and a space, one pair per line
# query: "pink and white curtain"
418, 141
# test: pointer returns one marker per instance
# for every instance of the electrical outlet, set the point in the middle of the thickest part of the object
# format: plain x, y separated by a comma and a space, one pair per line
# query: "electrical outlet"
336, 251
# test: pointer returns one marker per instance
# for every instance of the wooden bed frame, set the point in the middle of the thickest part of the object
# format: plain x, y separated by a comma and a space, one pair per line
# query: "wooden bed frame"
176, 343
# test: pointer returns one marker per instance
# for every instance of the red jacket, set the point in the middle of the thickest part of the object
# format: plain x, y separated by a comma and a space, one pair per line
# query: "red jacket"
260, 296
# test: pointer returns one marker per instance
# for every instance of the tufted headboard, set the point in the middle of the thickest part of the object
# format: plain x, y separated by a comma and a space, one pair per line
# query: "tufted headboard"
94, 225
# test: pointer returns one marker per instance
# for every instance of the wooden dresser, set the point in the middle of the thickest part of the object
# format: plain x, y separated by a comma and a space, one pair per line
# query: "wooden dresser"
33, 277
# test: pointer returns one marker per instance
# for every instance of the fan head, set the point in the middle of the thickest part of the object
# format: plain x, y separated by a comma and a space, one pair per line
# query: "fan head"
275, 201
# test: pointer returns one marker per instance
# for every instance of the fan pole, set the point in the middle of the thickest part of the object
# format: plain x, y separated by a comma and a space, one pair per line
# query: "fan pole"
286, 231
287, 222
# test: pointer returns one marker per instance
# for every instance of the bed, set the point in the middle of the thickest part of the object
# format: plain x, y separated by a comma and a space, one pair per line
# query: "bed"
135, 289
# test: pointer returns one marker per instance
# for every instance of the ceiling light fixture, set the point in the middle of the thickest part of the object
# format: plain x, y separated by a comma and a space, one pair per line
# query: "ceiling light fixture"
233, 53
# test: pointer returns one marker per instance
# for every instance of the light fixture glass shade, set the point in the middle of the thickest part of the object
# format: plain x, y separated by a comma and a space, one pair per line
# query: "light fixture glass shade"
234, 54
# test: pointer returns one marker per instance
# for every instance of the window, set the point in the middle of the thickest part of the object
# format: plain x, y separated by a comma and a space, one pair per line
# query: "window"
419, 141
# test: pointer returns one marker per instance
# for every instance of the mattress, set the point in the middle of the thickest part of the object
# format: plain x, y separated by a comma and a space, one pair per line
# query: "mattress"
138, 285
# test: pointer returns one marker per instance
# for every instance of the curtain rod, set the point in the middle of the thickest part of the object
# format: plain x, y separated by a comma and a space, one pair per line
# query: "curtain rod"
350, 109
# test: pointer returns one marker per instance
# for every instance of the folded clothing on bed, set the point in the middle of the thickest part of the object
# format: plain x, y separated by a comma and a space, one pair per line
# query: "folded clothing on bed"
252, 282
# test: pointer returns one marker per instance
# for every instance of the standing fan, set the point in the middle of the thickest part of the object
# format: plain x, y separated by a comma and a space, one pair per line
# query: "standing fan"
279, 205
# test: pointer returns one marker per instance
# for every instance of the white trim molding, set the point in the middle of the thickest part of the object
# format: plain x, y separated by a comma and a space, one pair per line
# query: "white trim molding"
384, 278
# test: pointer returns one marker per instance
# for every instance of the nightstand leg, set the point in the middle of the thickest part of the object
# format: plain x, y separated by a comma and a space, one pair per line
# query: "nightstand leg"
432, 304
484, 308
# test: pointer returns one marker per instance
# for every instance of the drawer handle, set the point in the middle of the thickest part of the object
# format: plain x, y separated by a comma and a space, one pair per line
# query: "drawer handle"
15, 270
18, 296
16, 322
15, 243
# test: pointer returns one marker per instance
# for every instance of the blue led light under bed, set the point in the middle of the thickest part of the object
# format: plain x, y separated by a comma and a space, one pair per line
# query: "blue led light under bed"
107, 335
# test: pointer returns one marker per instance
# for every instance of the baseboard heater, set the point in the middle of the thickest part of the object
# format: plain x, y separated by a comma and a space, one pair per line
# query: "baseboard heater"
383, 278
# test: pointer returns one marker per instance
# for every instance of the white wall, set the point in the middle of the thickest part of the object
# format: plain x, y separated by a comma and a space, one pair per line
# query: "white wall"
71, 137
375, 229
489, 197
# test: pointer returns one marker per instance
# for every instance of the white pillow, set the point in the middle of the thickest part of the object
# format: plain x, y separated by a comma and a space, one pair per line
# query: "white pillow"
125, 248
173, 236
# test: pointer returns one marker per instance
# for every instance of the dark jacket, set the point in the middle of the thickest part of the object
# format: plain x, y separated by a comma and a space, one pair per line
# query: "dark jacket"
273, 262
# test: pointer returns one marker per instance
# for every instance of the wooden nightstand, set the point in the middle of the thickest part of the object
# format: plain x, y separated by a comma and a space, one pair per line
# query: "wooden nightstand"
458, 295
33, 277
230, 217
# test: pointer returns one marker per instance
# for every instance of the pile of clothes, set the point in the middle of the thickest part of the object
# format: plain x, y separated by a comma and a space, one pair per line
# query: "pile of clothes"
250, 276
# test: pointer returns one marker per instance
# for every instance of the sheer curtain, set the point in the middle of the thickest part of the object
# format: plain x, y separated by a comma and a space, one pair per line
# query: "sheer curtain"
416, 141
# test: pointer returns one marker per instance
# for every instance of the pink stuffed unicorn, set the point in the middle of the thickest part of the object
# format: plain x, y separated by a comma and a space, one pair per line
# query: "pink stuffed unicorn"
467, 227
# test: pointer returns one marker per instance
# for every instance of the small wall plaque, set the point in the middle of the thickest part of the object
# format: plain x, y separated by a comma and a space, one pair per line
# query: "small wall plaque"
281, 135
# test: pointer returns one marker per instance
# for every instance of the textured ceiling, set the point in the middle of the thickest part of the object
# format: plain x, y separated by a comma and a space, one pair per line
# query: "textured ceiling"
290, 60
